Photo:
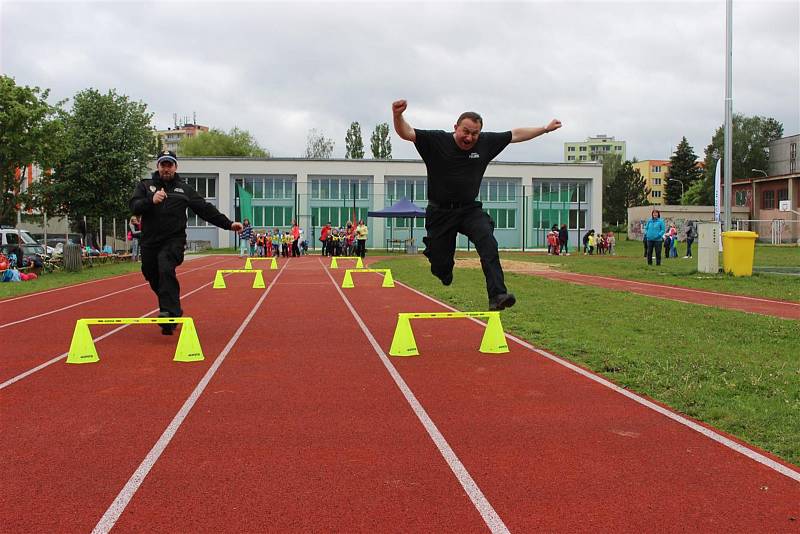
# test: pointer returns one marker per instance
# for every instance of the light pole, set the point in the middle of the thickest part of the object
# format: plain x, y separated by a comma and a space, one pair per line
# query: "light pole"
676, 180
759, 170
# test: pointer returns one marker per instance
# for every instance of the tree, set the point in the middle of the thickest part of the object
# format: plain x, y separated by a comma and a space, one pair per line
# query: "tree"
380, 142
626, 190
319, 146
106, 148
354, 144
217, 143
751, 137
29, 134
683, 168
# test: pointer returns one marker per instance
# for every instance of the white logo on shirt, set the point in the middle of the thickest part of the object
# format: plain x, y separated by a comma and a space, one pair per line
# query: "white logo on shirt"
474, 155
178, 190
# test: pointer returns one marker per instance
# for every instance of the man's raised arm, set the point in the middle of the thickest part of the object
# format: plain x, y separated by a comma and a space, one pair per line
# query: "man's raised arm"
526, 134
403, 129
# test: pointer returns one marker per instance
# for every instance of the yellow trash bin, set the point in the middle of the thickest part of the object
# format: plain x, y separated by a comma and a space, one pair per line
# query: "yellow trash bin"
738, 248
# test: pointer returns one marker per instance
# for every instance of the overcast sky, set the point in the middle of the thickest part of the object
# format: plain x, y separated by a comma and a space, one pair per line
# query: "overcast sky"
644, 72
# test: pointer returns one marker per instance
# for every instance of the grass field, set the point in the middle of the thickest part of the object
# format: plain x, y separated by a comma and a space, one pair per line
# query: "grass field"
629, 263
63, 278
737, 371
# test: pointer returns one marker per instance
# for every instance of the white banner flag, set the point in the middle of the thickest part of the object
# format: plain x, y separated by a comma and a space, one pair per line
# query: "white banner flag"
717, 181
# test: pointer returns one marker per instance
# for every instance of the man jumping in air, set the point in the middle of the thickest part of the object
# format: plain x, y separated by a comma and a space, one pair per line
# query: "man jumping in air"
456, 163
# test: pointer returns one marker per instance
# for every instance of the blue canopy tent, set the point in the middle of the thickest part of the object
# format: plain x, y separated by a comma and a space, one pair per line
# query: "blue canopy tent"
404, 209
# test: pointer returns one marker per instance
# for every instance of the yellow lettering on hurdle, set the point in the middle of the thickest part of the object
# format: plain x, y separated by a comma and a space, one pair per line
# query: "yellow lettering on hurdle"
273, 265
82, 349
404, 344
258, 282
335, 264
388, 281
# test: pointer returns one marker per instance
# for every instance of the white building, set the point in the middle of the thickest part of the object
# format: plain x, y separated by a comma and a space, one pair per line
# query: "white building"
524, 199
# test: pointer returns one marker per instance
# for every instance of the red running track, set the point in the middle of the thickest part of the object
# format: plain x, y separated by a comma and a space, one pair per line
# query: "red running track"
777, 308
294, 422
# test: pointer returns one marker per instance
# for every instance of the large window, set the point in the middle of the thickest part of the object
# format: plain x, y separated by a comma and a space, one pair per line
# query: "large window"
337, 215
503, 219
206, 186
339, 188
741, 198
498, 191
272, 216
269, 187
413, 189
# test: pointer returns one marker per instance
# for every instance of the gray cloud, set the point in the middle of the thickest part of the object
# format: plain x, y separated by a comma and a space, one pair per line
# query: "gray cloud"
645, 72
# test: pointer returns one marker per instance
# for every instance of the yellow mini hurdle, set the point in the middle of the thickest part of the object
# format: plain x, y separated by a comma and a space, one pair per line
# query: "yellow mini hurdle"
359, 262
258, 282
82, 349
404, 344
249, 263
388, 281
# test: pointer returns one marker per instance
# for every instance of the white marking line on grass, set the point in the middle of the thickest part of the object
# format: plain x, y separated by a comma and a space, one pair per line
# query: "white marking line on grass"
62, 356
479, 500
688, 290
727, 442
124, 497
32, 317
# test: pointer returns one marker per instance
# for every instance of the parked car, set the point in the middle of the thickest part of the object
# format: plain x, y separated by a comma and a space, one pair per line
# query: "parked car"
14, 240
56, 242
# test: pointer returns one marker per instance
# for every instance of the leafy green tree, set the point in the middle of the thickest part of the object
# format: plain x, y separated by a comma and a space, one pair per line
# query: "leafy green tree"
381, 143
682, 167
751, 137
354, 143
217, 143
106, 149
626, 190
319, 146
29, 134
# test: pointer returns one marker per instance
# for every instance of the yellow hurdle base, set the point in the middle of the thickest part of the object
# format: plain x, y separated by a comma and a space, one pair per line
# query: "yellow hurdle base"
83, 350
404, 344
388, 281
258, 282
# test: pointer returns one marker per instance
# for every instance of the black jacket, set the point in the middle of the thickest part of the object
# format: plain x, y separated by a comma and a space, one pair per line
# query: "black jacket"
167, 220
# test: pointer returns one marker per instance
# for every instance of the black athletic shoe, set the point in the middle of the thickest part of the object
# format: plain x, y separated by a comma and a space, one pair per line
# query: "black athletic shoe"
447, 279
502, 301
166, 328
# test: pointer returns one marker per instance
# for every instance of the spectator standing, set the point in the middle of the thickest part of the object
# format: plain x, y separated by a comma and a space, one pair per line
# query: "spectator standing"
361, 239
563, 240
134, 234
323, 236
691, 235
654, 234
244, 239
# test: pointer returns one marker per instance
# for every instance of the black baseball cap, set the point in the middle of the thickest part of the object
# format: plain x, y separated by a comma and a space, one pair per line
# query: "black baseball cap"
167, 155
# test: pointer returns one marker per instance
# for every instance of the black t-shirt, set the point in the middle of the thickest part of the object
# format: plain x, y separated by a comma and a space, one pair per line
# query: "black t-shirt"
455, 175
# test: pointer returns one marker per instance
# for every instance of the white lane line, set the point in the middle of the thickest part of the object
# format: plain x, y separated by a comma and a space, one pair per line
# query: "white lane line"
479, 500
686, 289
719, 438
32, 317
124, 497
62, 356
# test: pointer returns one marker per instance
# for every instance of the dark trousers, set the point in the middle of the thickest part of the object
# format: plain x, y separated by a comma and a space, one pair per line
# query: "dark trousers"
689, 241
654, 245
158, 267
443, 225
361, 247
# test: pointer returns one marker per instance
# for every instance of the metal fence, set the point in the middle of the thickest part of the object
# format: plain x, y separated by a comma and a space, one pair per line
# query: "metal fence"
774, 231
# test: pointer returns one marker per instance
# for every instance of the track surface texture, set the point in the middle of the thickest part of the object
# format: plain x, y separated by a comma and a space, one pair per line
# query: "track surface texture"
299, 421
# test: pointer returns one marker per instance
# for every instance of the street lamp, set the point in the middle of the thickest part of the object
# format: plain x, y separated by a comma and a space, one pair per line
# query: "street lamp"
759, 170
676, 180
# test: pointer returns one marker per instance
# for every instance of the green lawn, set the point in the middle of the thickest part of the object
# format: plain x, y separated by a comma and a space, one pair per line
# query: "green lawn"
63, 278
630, 263
737, 371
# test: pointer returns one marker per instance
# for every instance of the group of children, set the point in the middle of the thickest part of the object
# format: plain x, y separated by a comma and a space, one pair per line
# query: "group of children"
600, 243
276, 243
671, 242
347, 241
